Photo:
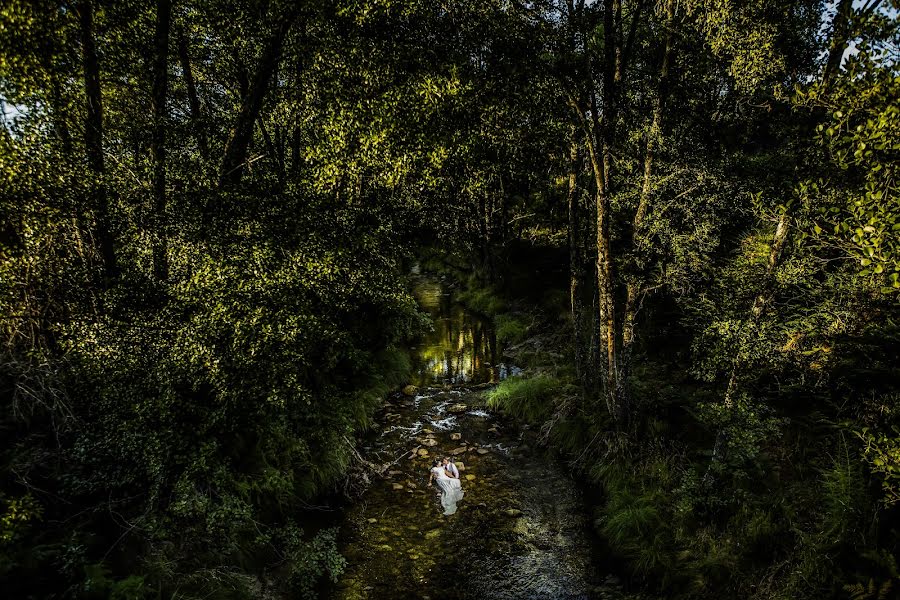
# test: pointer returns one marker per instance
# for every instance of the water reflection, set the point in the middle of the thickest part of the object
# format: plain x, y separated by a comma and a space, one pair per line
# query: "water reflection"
463, 346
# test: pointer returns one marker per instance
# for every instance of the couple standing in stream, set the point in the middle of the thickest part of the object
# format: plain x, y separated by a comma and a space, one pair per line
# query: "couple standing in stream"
445, 473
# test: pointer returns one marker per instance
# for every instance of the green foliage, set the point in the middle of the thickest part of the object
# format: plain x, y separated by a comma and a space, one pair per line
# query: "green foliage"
510, 329
312, 559
531, 399
882, 452
482, 300
164, 434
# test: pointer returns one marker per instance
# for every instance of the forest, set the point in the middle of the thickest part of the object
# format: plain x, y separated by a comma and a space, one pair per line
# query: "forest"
675, 225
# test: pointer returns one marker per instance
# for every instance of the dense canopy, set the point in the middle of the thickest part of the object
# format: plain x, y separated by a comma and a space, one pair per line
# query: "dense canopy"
208, 211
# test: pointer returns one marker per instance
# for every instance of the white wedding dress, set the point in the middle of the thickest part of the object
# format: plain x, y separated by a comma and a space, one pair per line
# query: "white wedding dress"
451, 490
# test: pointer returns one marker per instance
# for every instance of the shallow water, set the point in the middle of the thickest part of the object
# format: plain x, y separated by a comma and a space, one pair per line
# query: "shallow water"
462, 347
521, 530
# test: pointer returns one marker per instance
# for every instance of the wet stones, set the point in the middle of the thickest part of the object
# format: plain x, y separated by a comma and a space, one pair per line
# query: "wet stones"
457, 409
455, 436
430, 442
460, 450
409, 390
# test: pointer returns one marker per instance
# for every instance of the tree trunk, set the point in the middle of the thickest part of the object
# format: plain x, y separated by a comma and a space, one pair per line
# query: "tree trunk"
273, 151
605, 287
193, 97
242, 133
840, 32
158, 138
635, 285
576, 265
93, 138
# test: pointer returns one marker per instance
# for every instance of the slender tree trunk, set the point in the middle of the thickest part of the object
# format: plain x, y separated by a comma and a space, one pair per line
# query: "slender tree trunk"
158, 139
93, 138
635, 286
622, 65
576, 265
840, 32
748, 331
242, 133
60, 116
273, 151
296, 157
193, 98
605, 286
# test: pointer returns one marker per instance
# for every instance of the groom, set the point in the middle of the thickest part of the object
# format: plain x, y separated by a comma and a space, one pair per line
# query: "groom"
450, 467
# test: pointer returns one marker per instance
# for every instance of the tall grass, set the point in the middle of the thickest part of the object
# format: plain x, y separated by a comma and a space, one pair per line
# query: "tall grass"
529, 399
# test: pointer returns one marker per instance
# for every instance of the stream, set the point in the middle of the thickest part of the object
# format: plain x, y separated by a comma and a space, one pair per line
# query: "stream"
522, 529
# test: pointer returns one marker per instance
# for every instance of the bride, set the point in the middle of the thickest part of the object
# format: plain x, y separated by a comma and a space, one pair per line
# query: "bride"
451, 489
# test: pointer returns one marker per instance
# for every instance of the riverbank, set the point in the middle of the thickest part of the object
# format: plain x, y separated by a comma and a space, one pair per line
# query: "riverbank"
523, 528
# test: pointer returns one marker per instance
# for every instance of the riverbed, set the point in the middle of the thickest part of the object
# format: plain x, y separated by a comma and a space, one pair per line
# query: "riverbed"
521, 531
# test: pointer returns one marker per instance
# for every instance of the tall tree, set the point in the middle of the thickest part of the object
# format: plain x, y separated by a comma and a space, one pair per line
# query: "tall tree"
93, 137
238, 144
158, 139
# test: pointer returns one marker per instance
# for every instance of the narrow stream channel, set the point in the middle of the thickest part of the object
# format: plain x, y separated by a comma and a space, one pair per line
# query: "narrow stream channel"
521, 530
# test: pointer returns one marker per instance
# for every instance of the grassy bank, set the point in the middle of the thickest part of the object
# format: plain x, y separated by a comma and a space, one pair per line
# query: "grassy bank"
793, 517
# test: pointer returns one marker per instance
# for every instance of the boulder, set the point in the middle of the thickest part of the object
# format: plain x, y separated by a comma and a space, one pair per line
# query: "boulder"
455, 436
456, 409
410, 390
422, 452
461, 466
459, 450
470, 477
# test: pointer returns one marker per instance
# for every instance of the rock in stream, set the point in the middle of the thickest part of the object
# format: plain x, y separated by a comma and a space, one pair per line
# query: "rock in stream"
521, 532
